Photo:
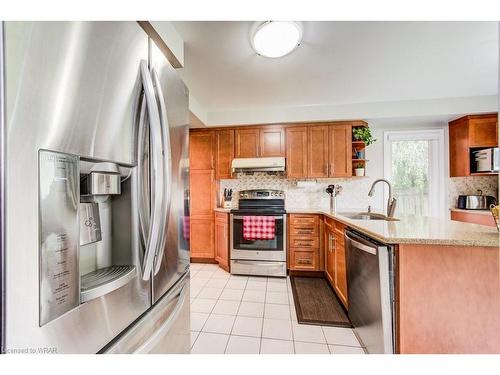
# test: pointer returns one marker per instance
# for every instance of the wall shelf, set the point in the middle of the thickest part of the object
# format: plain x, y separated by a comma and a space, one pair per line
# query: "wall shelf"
358, 143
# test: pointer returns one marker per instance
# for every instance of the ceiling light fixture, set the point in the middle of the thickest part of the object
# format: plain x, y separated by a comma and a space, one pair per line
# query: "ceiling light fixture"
276, 38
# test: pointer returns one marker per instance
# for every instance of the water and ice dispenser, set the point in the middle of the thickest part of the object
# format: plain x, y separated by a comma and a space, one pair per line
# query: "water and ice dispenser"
86, 234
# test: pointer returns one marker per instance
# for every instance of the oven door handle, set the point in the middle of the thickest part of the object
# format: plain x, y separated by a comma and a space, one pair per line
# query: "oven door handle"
257, 263
241, 217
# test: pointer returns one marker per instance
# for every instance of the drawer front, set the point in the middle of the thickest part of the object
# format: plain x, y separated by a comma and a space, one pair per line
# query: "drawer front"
304, 220
329, 222
304, 230
340, 227
304, 241
222, 216
303, 259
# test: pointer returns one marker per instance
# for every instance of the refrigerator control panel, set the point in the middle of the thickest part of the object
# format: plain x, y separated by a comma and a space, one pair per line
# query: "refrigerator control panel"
59, 198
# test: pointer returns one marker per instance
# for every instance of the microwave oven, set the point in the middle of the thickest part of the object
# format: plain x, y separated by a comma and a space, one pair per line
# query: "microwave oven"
486, 160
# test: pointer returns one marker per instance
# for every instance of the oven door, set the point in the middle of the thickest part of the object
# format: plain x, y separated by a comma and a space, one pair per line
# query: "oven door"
258, 249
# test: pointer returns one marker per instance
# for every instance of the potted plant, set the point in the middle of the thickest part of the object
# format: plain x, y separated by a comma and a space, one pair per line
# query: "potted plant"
363, 134
359, 170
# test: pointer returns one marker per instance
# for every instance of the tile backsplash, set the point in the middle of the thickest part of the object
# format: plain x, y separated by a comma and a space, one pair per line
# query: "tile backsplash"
354, 195
305, 195
469, 185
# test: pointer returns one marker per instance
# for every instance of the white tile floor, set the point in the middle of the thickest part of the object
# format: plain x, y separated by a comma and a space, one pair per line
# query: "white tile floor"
252, 315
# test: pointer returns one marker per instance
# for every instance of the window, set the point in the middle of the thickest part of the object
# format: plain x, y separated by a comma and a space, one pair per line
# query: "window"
414, 164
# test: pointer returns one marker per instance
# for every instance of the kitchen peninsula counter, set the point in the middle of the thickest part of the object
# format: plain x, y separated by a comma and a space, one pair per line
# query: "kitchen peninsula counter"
447, 282
417, 230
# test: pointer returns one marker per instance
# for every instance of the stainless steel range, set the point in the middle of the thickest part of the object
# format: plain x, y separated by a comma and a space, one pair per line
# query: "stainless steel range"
258, 234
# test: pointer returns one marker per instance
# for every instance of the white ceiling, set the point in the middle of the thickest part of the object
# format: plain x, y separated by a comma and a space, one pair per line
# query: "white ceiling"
338, 64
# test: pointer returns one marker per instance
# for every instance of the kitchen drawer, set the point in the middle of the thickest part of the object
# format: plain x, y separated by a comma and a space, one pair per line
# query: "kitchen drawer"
304, 220
340, 227
222, 216
304, 259
304, 230
329, 222
304, 241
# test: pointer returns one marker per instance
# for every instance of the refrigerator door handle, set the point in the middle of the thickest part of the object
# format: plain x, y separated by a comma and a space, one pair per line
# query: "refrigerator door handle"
167, 163
143, 206
165, 327
155, 228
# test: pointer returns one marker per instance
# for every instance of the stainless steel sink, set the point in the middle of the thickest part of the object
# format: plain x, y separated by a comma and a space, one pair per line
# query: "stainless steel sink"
366, 216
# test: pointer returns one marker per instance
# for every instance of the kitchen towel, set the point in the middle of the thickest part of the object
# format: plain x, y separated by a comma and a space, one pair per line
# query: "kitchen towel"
258, 227
185, 227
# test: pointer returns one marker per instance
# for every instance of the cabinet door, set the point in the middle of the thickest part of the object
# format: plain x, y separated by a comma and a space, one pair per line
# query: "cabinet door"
272, 141
317, 151
296, 152
201, 238
224, 153
330, 255
247, 143
459, 148
340, 151
222, 244
483, 131
201, 193
340, 275
201, 145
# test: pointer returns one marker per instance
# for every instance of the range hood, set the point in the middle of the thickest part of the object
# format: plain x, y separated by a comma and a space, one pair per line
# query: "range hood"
258, 164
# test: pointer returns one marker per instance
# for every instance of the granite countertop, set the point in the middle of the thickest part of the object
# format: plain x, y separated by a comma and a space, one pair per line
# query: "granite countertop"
418, 230
479, 212
222, 209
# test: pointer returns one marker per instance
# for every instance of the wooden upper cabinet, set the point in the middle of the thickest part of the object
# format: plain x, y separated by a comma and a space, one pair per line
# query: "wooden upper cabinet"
340, 151
201, 150
317, 151
459, 149
260, 142
296, 152
224, 153
246, 143
272, 141
469, 132
483, 131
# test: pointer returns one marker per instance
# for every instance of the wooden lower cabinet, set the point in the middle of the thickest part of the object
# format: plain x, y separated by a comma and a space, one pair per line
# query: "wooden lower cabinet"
222, 239
329, 246
340, 276
335, 260
202, 238
303, 243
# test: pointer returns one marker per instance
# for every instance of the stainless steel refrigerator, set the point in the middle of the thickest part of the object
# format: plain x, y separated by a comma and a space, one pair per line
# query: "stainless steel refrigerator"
94, 224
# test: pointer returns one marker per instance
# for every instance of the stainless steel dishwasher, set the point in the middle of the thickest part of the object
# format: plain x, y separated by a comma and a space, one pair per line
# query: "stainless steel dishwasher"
370, 281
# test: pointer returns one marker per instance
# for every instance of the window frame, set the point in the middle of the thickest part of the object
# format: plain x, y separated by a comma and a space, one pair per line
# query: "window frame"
437, 151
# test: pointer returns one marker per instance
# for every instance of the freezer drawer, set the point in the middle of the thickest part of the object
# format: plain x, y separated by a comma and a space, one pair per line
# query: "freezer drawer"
162, 330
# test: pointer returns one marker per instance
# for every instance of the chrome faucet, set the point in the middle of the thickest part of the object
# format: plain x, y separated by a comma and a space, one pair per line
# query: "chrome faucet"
391, 202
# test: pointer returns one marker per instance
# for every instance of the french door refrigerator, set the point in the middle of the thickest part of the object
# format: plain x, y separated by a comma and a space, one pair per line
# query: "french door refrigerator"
95, 250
